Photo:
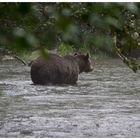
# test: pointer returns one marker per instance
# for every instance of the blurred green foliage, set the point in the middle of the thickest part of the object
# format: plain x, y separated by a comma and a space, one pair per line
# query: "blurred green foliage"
64, 49
97, 27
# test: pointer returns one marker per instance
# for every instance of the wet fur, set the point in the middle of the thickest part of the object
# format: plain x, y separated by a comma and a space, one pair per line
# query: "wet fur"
57, 70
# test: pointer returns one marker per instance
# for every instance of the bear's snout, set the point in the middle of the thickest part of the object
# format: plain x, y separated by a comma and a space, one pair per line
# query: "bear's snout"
91, 69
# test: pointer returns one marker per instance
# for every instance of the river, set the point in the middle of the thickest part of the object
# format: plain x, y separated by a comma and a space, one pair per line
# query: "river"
104, 103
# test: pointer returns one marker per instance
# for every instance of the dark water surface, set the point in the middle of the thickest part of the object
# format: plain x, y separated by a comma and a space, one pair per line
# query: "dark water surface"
105, 103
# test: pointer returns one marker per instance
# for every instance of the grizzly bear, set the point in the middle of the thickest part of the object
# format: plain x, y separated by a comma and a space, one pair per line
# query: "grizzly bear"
59, 70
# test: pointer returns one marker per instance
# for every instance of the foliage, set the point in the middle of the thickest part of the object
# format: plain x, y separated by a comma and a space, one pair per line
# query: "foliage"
64, 49
95, 27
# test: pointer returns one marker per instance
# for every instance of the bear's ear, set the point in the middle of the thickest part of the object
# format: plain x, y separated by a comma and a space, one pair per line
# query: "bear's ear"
87, 56
75, 54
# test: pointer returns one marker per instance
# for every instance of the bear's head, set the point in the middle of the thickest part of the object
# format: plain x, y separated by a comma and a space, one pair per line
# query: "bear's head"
84, 62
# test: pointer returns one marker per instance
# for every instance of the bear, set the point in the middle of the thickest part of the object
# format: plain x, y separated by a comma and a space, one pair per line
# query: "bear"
56, 69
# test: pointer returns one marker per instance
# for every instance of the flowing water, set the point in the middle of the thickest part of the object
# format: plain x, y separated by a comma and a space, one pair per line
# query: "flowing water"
105, 103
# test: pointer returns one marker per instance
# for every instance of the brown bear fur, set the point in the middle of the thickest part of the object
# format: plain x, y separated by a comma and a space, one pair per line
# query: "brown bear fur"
59, 70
